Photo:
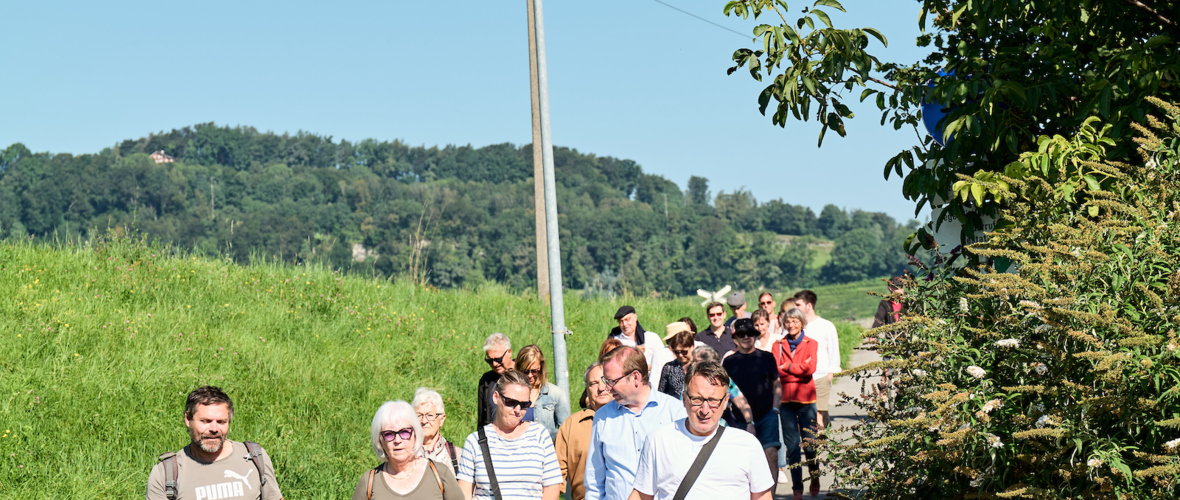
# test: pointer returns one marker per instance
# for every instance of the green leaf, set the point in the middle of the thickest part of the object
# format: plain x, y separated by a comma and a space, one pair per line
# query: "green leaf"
864, 95
922, 20
809, 83
823, 17
829, 3
1157, 40
977, 193
1093, 183
876, 34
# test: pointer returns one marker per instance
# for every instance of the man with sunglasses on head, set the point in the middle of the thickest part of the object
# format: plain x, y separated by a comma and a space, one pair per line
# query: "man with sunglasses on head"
732, 465
212, 466
717, 335
620, 426
497, 353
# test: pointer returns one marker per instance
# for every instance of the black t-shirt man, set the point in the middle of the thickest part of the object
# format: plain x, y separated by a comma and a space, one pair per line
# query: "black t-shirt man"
756, 376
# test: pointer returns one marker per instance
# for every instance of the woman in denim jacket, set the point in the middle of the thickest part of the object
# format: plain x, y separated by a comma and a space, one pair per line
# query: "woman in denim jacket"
550, 405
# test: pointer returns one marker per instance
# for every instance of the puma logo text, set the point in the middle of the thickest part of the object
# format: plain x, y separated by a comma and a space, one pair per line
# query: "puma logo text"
235, 475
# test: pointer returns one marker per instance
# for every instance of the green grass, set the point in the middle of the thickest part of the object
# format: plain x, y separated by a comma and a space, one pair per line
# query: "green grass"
99, 345
849, 300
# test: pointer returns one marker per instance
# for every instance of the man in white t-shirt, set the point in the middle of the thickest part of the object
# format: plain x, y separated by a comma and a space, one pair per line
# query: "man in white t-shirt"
736, 467
827, 358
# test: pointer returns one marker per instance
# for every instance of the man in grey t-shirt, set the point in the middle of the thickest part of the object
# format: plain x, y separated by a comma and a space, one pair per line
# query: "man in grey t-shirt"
212, 467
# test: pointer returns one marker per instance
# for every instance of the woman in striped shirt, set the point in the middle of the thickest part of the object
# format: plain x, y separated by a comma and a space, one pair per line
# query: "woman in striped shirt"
521, 453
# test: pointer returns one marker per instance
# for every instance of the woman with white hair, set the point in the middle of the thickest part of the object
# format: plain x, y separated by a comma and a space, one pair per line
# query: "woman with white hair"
428, 404
404, 472
510, 458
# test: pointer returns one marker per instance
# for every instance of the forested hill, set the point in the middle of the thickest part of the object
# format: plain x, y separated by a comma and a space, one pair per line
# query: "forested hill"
450, 216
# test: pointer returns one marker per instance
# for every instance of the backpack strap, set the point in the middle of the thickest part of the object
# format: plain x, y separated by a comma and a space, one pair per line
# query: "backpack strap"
437, 478
253, 452
487, 463
171, 470
369, 489
454, 456
697, 465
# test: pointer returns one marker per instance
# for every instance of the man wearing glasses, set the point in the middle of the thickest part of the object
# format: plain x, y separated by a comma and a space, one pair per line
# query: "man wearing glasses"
735, 468
620, 427
497, 351
717, 335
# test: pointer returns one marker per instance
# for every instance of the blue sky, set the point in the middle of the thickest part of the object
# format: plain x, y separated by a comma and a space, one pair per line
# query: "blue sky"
628, 78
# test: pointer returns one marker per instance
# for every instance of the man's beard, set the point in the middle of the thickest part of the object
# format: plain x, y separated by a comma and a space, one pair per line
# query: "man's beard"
200, 442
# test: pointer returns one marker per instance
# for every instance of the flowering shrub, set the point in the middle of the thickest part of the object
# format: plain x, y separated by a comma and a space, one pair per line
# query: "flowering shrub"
1059, 378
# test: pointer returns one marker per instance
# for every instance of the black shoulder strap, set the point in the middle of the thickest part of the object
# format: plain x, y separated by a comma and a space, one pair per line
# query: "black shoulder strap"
253, 452
171, 470
487, 463
697, 465
454, 457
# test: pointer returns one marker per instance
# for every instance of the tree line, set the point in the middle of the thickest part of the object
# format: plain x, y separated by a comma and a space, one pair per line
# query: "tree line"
451, 216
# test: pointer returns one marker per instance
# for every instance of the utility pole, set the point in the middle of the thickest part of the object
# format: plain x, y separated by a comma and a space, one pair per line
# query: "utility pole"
538, 164
556, 308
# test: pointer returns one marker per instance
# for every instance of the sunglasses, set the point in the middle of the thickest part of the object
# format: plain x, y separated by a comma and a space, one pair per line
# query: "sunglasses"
495, 361
714, 315
682, 352
767, 303
405, 434
509, 402
535, 373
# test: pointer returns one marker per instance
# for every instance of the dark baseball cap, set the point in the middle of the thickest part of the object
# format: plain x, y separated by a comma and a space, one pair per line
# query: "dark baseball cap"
623, 311
744, 326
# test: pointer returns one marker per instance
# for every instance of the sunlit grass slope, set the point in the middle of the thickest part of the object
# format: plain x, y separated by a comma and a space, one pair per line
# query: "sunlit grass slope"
100, 343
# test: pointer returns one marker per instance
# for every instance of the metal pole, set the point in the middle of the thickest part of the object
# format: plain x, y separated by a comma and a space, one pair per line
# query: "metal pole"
538, 168
556, 308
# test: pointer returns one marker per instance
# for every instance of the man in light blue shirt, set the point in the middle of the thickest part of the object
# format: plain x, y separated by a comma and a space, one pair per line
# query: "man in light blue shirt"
621, 426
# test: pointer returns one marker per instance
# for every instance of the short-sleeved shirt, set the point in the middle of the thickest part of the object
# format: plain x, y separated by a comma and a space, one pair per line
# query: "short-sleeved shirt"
232, 477
722, 344
756, 375
427, 489
524, 465
736, 469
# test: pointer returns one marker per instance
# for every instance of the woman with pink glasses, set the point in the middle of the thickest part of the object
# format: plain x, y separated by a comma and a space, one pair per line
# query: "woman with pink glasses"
404, 473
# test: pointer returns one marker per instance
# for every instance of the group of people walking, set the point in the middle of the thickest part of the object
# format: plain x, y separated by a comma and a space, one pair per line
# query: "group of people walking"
652, 425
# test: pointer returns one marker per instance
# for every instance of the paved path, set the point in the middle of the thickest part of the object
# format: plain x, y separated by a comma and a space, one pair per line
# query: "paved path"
841, 415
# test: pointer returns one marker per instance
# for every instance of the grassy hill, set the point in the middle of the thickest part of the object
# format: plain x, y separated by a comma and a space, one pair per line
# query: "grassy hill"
99, 344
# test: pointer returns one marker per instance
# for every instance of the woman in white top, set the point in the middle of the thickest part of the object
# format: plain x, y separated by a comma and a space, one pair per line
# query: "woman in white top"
428, 404
396, 436
521, 453
766, 336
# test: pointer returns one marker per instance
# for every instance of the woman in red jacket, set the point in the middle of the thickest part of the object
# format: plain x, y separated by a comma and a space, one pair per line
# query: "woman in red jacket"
795, 355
